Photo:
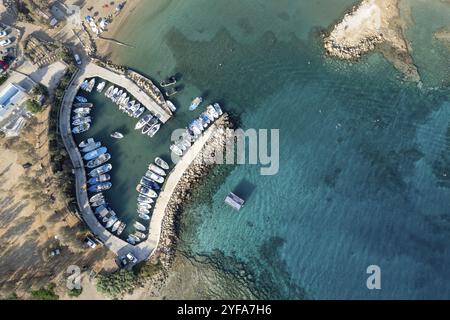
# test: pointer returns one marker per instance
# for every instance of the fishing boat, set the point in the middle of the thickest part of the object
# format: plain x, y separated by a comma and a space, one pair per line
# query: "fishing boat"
117, 135
81, 128
211, 111
148, 183
101, 209
140, 235
144, 216
96, 197
171, 106
101, 159
195, 103
160, 162
80, 121
86, 142
115, 226
101, 178
91, 147
83, 105
145, 119
100, 187
121, 228
98, 203
218, 108
101, 86
176, 150
168, 82
155, 177
81, 99
153, 130
111, 221
139, 226
142, 198
101, 170
156, 169
109, 91
82, 110
94, 154
146, 191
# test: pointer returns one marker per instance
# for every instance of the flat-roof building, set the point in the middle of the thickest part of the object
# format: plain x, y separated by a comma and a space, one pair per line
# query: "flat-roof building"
12, 95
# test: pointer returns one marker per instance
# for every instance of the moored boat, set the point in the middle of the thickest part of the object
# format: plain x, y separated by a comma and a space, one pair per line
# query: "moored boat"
121, 228
144, 216
109, 91
96, 197
82, 120
91, 147
100, 187
111, 221
142, 198
81, 99
94, 154
101, 170
218, 108
146, 191
86, 142
149, 183
101, 178
139, 112
156, 169
210, 109
139, 226
81, 128
153, 130
140, 235
82, 110
160, 162
116, 226
155, 177
101, 86
171, 106
142, 122
176, 150
98, 203
101, 159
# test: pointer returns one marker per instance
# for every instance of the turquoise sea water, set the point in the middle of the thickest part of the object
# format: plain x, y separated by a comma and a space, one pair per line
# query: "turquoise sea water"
364, 157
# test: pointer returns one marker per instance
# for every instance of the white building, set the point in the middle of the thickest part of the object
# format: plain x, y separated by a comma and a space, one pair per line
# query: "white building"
12, 95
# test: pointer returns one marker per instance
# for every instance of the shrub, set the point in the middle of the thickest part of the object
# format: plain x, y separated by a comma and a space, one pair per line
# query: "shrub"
40, 89
45, 293
75, 293
33, 106
117, 283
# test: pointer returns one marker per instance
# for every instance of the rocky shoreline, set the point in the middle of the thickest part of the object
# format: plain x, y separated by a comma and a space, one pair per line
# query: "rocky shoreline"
165, 252
372, 25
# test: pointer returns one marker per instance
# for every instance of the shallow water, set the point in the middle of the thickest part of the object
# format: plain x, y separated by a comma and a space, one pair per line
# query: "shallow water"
364, 157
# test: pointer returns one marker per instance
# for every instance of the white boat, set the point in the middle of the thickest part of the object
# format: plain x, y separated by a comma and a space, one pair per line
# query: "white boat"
195, 103
171, 106
84, 85
146, 191
139, 112
140, 235
121, 98
111, 221
160, 162
80, 121
176, 150
113, 93
83, 105
218, 108
109, 91
121, 228
144, 216
139, 226
116, 226
81, 99
91, 85
145, 119
132, 239
96, 197
82, 128
153, 130
117, 96
117, 135
91, 147
101, 86
87, 142
145, 199
155, 177
82, 110
210, 109
156, 169
124, 103
146, 129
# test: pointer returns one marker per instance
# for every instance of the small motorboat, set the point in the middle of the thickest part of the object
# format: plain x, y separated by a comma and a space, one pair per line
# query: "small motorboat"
156, 169
117, 135
195, 103
142, 205
139, 226
146, 129
121, 228
101, 178
81, 99
153, 130
148, 183
96, 197
140, 235
98, 203
101, 86
176, 150
100, 187
101, 159
86, 142
160, 162
143, 210
155, 177
145, 199
94, 154
111, 222
146, 191
81, 128
116, 226
144, 216
139, 112
109, 91
82, 110
218, 108
171, 106
142, 122
101, 170
91, 147
210, 109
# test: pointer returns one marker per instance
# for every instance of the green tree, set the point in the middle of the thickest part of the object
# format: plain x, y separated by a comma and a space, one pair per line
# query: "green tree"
33, 106
40, 89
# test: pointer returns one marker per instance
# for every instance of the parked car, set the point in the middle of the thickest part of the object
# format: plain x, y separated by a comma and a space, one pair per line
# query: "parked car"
3, 33
55, 253
77, 59
5, 42
123, 261
90, 243
131, 258
7, 51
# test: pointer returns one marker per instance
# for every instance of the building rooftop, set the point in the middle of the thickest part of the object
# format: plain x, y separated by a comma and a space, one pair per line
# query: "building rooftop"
11, 95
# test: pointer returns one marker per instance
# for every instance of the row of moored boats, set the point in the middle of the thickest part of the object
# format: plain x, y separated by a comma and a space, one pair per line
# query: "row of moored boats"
148, 188
196, 128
